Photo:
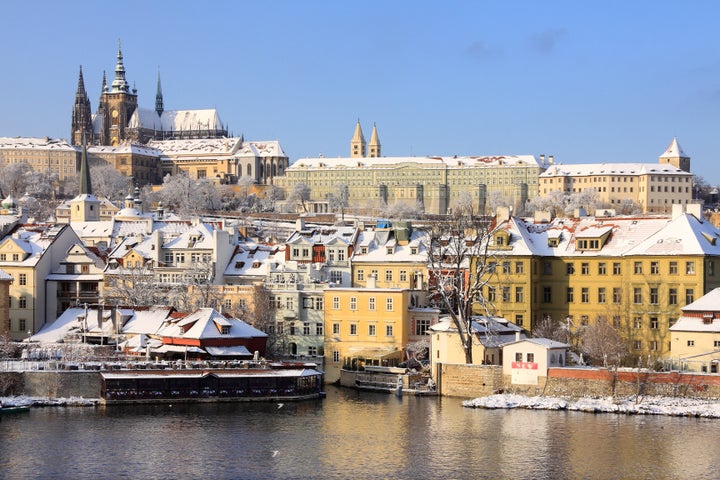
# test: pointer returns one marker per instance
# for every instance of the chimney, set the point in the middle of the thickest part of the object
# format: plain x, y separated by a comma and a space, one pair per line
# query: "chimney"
551, 159
542, 158
694, 209
371, 281
677, 210
517, 336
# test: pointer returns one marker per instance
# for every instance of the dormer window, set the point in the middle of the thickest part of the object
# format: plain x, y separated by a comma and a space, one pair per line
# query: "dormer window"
364, 250
413, 250
553, 242
389, 250
225, 329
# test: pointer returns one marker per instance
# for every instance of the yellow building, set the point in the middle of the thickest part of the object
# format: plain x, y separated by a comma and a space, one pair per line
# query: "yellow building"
47, 155
636, 272
364, 326
436, 184
655, 187
696, 335
5, 281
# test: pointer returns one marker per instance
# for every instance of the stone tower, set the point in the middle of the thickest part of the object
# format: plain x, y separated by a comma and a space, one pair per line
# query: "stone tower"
117, 104
82, 114
374, 146
358, 147
675, 156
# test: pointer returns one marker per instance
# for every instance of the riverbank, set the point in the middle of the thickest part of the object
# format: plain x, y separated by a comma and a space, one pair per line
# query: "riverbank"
631, 405
26, 401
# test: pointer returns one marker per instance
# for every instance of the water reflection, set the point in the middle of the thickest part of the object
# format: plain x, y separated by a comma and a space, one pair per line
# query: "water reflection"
351, 435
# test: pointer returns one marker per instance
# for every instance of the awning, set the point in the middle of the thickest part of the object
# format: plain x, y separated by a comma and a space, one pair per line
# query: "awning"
233, 351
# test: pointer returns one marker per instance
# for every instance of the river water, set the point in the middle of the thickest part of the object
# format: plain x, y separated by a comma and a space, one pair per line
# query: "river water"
353, 435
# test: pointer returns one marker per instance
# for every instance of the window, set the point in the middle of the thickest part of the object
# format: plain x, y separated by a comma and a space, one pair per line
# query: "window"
519, 295
585, 268
22, 303
353, 303
585, 295
691, 343
389, 304
361, 275
547, 268
653, 345
505, 294
228, 304
617, 295
654, 323
673, 268
353, 329
292, 329
637, 322
336, 329
547, 294
388, 330
403, 275
637, 268
602, 269
637, 345
290, 303
616, 268
336, 303
341, 255
371, 330
180, 258
690, 268
672, 296
637, 295
319, 329
570, 295
312, 351
616, 321
601, 295
518, 356
306, 328
491, 294
22, 324
530, 357
22, 279
335, 276
506, 267
654, 268
519, 320
689, 296
336, 356
519, 267
570, 268
421, 326
654, 300
716, 343
388, 275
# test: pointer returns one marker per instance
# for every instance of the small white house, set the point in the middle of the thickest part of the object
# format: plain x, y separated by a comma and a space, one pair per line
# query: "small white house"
524, 361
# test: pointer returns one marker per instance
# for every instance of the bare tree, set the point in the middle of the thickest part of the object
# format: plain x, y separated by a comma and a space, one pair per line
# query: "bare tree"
560, 331
299, 194
461, 264
133, 287
603, 343
338, 199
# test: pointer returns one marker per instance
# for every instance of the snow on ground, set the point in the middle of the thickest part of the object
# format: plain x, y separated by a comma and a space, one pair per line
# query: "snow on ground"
22, 401
674, 406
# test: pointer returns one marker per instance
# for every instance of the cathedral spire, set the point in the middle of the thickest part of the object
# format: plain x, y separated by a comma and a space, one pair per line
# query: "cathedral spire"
159, 98
81, 116
85, 185
119, 84
103, 89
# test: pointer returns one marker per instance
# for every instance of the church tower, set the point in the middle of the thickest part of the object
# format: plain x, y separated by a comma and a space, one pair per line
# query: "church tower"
117, 104
374, 146
82, 114
159, 98
675, 156
357, 144
86, 206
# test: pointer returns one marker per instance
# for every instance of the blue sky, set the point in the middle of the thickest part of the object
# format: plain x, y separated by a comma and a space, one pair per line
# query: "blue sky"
609, 81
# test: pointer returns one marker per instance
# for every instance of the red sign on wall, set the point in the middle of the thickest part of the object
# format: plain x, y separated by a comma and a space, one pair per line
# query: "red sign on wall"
525, 365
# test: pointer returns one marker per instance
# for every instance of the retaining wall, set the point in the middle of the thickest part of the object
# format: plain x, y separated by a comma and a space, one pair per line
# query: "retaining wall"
469, 381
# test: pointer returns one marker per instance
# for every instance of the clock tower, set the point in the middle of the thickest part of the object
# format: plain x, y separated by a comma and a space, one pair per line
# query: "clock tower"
117, 104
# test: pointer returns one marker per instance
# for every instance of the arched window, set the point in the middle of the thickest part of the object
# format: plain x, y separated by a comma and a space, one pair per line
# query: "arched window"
249, 170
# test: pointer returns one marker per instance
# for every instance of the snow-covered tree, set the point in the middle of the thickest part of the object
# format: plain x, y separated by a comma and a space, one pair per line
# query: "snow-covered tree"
338, 198
461, 264
188, 196
602, 343
299, 194
401, 210
109, 183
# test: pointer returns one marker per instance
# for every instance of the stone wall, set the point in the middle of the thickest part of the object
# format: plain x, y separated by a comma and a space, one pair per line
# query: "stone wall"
469, 381
55, 384
481, 380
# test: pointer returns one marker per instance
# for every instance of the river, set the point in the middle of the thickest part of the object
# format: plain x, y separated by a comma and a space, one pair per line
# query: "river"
354, 435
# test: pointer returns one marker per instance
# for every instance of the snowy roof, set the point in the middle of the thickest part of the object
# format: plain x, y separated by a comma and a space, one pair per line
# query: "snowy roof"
125, 148
585, 169
228, 351
226, 146
543, 342
147, 321
35, 143
252, 260
710, 302
390, 162
324, 235
492, 331
203, 324
378, 241
5, 276
696, 324
176, 120
270, 148
674, 150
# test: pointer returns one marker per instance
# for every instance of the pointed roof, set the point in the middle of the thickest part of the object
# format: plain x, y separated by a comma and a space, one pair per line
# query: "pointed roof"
159, 97
85, 184
358, 135
81, 92
119, 84
374, 139
674, 150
